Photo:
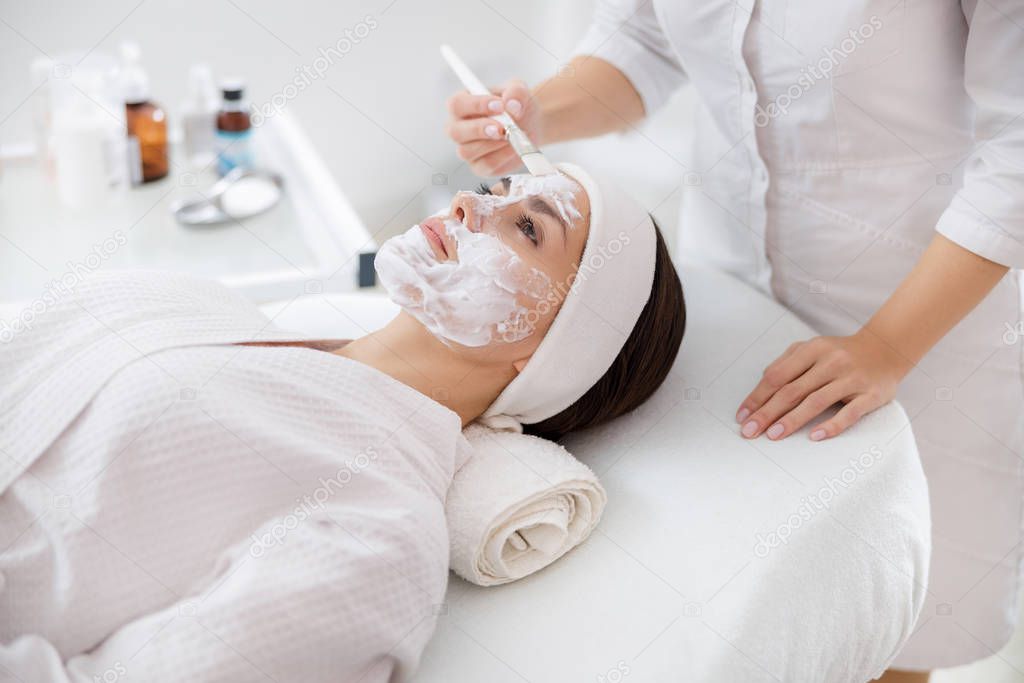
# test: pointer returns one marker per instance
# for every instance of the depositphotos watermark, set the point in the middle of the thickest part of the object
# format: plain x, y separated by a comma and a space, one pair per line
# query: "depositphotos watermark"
557, 292
813, 504
812, 73
307, 73
616, 673
111, 674
309, 504
1013, 333
61, 287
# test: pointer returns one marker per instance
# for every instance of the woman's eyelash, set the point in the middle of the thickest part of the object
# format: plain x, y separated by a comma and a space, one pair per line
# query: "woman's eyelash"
525, 225
523, 222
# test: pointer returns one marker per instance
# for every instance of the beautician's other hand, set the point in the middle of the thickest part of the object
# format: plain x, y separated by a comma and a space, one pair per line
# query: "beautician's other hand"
860, 371
480, 139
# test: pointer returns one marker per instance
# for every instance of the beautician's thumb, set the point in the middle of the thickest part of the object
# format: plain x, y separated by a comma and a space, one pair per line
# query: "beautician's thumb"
515, 95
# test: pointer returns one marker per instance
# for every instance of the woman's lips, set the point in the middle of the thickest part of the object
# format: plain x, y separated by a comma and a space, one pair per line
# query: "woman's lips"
436, 234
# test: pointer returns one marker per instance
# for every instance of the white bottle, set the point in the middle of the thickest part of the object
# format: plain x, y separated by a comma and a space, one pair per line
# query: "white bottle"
89, 153
199, 117
42, 121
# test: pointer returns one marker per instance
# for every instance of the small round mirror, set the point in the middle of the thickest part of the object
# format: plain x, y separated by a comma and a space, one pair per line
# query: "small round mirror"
239, 194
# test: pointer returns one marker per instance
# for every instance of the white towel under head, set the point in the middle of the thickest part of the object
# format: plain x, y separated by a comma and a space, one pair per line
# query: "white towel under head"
597, 316
518, 504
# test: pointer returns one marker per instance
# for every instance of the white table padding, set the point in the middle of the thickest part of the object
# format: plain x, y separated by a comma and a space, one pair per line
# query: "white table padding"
669, 586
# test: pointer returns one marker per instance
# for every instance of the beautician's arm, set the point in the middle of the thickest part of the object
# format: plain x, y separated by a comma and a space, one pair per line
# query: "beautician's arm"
630, 68
864, 369
596, 99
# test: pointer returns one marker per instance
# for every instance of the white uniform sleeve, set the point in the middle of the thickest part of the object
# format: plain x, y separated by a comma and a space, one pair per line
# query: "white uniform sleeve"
323, 605
627, 35
986, 215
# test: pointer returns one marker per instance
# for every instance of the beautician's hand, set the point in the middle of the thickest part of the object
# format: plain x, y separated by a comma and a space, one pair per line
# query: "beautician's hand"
863, 370
480, 138
860, 371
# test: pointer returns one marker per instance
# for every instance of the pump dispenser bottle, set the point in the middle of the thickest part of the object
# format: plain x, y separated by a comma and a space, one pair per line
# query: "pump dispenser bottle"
199, 117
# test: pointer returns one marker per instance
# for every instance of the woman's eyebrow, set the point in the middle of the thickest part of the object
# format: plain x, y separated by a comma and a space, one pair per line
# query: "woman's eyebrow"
541, 205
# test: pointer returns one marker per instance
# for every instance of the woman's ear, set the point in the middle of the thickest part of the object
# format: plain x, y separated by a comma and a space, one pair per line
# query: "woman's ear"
520, 364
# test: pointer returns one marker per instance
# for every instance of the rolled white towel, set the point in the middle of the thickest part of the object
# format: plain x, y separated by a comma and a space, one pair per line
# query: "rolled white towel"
518, 504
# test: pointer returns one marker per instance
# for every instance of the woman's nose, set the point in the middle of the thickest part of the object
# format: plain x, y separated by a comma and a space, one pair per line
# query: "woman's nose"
464, 209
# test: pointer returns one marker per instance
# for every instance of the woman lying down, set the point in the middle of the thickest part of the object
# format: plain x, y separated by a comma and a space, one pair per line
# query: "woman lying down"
156, 431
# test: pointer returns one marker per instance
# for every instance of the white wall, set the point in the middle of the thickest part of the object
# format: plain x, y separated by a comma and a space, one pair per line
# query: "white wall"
378, 114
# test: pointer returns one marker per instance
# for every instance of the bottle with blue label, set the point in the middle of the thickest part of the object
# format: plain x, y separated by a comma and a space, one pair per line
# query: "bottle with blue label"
234, 129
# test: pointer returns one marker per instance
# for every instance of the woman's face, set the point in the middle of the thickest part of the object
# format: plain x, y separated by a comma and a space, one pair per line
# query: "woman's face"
491, 271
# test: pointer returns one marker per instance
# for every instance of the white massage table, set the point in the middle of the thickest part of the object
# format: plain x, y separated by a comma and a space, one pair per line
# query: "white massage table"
674, 584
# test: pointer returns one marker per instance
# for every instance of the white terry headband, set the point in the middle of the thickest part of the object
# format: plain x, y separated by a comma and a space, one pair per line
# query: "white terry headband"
612, 285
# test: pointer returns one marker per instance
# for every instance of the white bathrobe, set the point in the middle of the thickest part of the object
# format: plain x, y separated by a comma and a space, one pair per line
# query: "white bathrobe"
177, 508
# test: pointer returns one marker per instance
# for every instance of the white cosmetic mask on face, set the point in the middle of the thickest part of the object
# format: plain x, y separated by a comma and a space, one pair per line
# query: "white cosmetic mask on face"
475, 300
472, 301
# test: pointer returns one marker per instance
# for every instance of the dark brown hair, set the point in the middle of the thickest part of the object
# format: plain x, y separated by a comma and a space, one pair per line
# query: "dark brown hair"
642, 364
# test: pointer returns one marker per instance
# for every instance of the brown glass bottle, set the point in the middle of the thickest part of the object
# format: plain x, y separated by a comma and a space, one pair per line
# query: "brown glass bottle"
146, 122
233, 121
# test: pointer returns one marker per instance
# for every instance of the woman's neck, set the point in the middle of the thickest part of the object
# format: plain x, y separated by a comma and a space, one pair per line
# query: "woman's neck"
406, 351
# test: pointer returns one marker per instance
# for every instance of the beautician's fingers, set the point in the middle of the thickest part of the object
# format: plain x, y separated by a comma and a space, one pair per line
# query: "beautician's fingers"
498, 163
471, 121
783, 400
846, 417
470, 130
864, 369
812, 406
515, 96
796, 360
463, 105
524, 109
473, 151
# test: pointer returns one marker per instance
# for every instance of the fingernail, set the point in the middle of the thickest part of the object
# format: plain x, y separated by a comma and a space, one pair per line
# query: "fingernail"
491, 131
494, 105
742, 415
817, 435
749, 429
515, 107
775, 431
